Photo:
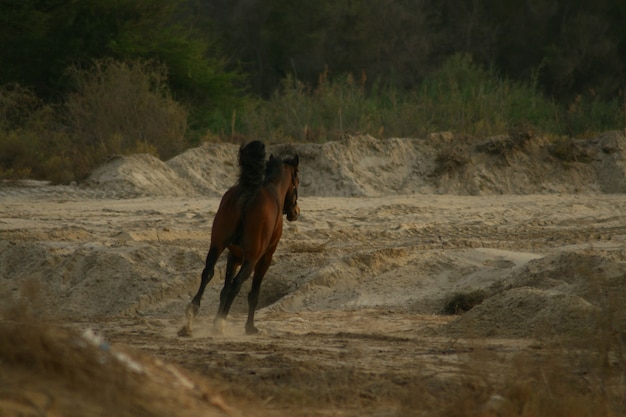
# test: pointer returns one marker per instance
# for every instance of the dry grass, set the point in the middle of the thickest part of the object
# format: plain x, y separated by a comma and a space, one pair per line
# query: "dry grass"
568, 151
505, 146
48, 370
576, 375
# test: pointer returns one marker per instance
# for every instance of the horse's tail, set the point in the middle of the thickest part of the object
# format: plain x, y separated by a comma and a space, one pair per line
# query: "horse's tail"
252, 165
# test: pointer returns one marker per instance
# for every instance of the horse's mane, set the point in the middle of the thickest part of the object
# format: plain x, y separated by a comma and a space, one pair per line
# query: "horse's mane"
274, 166
273, 169
255, 170
251, 166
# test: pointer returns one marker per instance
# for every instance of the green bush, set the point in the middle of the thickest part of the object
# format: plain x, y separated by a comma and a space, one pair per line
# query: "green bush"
460, 97
298, 112
32, 145
125, 107
475, 101
587, 115
122, 107
117, 108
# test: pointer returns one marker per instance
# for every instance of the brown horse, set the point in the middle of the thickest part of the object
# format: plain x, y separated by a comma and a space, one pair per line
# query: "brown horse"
249, 223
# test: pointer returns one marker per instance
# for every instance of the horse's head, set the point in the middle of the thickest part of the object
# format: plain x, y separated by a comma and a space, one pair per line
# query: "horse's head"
290, 206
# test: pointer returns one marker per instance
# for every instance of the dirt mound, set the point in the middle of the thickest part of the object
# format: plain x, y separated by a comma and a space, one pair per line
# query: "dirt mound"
527, 312
398, 278
365, 166
593, 277
93, 280
368, 167
526, 164
563, 294
354, 300
209, 169
53, 371
138, 175
527, 295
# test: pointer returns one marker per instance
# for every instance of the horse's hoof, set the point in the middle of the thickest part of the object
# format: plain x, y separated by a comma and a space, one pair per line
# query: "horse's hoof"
252, 330
218, 326
185, 331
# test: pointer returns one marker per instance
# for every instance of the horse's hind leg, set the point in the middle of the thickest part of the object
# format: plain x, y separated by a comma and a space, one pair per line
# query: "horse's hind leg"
253, 296
229, 292
232, 264
207, 274
234, 261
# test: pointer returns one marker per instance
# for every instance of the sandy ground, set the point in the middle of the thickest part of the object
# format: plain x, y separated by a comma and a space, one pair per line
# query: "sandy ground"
352, 310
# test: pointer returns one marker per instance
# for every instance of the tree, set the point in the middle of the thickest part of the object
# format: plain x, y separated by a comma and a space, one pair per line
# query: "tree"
576, 47
42, 38
382, 39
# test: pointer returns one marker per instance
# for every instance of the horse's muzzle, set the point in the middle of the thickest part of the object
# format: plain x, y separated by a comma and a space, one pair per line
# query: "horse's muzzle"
292, 215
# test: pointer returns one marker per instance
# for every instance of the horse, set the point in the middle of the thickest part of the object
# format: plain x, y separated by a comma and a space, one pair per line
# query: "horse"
249, 223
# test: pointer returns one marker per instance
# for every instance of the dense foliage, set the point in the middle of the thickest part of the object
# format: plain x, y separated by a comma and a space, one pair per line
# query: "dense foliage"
83, 79
42, 38
572, 46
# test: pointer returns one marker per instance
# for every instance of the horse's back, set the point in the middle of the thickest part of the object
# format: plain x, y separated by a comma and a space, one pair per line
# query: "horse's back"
227, 218
263, 220
247, 223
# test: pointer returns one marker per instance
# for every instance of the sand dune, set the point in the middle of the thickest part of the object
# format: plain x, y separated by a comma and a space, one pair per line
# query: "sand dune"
363, 166
390, 230
384, 223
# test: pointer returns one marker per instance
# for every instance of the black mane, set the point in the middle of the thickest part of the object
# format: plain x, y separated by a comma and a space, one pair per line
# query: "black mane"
274, 166
252, 165
273, 169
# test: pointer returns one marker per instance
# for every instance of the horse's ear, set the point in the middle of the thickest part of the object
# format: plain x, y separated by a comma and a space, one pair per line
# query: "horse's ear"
296, 160
272, 157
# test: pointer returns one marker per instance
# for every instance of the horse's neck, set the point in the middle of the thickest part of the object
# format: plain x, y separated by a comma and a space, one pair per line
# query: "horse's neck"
281, 186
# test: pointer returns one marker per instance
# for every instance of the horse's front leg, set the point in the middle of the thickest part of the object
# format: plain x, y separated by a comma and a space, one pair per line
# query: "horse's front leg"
253, 297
